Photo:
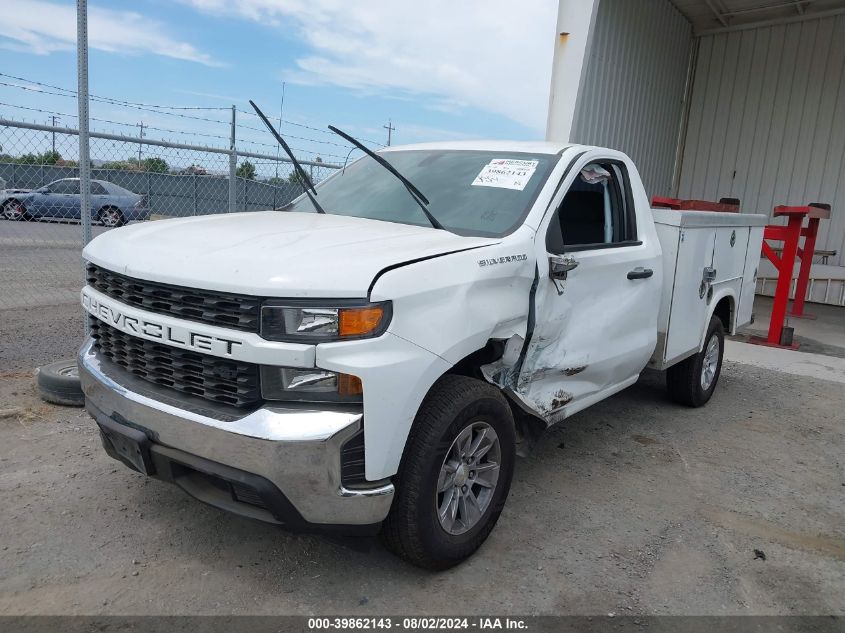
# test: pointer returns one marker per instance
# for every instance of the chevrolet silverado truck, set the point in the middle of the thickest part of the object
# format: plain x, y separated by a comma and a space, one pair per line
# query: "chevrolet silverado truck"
369, 359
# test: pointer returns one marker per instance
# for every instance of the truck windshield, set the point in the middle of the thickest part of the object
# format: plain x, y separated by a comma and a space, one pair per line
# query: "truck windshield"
471, 192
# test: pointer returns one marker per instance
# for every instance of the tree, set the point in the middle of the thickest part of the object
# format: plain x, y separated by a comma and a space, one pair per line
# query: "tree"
296, 179
246, 170
30, 159
155, 164
123, 165
50, 158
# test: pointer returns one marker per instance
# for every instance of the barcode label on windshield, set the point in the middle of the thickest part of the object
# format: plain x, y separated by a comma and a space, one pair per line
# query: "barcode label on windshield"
506, 173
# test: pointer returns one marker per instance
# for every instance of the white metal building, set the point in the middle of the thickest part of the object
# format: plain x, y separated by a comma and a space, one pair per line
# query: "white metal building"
712, 98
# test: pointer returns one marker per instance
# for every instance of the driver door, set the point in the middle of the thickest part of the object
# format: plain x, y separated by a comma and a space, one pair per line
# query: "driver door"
596, 306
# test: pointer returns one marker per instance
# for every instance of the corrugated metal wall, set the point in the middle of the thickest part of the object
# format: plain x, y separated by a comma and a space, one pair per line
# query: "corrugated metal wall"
767, 121
633, 88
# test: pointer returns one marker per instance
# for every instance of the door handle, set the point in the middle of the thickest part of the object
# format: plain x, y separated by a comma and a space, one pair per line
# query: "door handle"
640, 273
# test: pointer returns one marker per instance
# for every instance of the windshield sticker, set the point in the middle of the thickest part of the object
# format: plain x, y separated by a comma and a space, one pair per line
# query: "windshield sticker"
506, 173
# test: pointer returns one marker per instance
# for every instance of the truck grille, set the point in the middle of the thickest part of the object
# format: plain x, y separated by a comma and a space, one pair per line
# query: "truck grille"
225, 309
216, 379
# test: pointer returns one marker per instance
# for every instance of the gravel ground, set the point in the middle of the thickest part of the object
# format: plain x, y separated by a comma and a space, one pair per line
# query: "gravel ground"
41, 263
34, 336
635, 506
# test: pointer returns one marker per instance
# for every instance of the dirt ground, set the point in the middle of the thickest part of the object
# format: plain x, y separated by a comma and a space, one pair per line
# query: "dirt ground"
636, 506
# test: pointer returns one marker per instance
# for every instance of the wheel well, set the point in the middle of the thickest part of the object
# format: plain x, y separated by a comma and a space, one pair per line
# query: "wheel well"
529, 428
109, 206
6, 203
724, 310
471, 364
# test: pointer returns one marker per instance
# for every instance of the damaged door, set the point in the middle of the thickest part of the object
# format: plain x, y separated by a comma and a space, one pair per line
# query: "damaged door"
595, 323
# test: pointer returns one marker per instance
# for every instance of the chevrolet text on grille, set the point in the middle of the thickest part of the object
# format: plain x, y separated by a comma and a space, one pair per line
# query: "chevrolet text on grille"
157, 331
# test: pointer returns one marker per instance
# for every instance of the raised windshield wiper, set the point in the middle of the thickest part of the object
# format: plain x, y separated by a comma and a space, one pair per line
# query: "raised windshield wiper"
416, 194
304, 180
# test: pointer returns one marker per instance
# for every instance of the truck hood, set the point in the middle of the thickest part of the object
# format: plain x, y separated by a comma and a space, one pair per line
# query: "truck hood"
271, 253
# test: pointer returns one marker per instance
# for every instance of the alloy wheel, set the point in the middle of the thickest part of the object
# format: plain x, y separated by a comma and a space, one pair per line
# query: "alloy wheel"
710, 362
468, 476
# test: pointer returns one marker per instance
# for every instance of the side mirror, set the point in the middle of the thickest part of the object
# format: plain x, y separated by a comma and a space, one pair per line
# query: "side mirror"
42, 190
560, 265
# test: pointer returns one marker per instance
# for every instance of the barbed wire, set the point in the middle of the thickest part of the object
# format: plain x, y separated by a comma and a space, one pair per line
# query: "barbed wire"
72, 94
98, 99
109, 121
311, 127
121, 101
163, 110
168, 130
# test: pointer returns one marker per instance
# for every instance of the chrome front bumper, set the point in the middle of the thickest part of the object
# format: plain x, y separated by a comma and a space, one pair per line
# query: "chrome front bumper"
296, 449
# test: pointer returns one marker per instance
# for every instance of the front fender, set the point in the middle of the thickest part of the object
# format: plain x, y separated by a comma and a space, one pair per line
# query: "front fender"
452, 305
396, 375
444, 309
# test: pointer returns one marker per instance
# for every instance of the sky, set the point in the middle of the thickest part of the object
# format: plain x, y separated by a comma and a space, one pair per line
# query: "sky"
438, 69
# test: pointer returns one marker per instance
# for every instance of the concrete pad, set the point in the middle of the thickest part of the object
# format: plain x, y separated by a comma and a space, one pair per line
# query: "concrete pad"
823, 335
787, 361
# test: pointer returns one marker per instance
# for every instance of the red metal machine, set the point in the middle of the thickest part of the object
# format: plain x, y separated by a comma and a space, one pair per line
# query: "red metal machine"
790, 235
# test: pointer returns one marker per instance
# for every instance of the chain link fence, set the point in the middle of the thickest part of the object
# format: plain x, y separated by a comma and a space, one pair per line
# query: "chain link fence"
134, 179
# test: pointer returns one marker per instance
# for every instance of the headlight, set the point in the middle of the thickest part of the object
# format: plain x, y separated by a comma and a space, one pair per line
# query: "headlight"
311, 385
287, 321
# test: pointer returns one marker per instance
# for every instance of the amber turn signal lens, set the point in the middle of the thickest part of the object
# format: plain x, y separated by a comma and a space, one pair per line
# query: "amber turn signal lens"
349, 385
359, 321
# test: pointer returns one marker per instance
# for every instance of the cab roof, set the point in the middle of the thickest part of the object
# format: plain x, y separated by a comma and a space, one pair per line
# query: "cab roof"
528, 147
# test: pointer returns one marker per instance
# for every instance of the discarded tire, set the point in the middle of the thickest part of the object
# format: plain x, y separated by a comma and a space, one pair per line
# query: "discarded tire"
58, 383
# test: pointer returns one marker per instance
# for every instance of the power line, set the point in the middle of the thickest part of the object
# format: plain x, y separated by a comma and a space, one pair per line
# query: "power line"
120, 101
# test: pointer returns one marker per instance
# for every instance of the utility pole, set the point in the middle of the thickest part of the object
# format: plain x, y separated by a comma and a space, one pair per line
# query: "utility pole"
281, 113
140, 144
82, 102
54, 134
389, 127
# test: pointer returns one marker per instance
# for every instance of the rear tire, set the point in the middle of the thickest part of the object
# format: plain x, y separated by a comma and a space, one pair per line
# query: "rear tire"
693, 381
111, 217
458, 414
58, 383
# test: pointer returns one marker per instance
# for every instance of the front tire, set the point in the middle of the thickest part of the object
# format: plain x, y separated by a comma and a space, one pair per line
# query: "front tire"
693, 381
15, 210
454, 476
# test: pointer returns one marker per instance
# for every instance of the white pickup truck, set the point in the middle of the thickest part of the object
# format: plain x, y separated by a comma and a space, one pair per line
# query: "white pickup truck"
376, 362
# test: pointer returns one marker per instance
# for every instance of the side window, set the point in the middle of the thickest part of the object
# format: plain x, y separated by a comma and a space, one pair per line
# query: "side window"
65, 186
59, 186
596, 212
98, 190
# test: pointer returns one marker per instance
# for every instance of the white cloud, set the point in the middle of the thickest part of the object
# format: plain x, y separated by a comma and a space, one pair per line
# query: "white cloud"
43, 27
492, 54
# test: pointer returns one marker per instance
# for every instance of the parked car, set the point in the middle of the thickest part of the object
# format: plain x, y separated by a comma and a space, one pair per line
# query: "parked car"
377, 364
110, 205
